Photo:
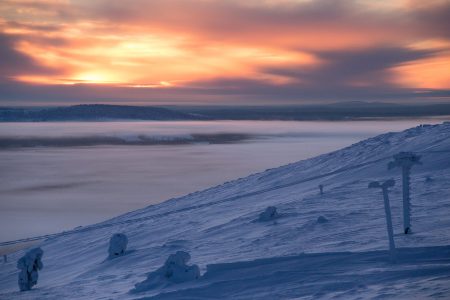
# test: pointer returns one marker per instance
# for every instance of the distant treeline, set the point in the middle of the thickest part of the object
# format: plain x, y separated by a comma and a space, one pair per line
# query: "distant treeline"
92, 112
338, 111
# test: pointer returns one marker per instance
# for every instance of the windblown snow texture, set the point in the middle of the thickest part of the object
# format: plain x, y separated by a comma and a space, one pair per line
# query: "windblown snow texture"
295, 257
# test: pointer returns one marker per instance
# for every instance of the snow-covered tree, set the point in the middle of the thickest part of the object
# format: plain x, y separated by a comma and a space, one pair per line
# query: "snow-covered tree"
174, 270
322, 219
117, 245
270, 213
29, 265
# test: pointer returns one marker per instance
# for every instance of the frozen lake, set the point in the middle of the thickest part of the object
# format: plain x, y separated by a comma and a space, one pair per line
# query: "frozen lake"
56, 176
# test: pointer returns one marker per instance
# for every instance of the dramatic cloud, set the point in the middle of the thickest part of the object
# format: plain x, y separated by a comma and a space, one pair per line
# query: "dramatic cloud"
229, 51
364, 67
13, 62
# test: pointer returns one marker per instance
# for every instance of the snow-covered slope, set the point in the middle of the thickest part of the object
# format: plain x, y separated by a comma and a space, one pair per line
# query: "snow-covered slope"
293, 256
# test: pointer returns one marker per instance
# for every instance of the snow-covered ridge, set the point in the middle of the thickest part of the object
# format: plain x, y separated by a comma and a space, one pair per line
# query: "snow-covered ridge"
423, 138
291, 256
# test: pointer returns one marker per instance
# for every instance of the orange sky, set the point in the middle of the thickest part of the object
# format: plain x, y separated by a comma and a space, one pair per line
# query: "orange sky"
206, 51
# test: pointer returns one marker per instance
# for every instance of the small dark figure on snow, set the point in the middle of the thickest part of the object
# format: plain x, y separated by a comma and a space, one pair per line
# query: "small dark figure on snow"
321, 189
29, 266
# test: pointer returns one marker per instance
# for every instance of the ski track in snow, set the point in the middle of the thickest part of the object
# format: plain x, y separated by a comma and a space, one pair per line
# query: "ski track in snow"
293, 256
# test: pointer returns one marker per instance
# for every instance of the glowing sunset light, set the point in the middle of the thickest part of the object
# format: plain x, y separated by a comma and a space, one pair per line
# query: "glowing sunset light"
427, 73
91, 78
282, 51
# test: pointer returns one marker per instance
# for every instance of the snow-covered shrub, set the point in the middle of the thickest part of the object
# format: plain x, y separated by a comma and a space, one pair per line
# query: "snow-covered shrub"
174, 270
177, 270
269, 214
322, 219
117, 245
29, 265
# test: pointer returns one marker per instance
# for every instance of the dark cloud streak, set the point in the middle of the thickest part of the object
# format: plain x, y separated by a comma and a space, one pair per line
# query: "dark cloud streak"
14, 63
341, 68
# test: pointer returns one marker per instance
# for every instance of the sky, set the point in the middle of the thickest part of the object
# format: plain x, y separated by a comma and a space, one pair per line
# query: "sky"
229, 52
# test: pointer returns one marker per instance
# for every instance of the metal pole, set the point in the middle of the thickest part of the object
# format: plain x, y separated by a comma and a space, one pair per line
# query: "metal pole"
387, 209
406, 199
390, 229
405, 160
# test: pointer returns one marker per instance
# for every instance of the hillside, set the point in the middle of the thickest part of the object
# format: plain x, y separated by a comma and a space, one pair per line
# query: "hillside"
92, 112
294, 256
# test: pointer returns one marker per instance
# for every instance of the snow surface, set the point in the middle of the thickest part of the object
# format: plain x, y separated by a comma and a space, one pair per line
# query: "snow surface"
295, 257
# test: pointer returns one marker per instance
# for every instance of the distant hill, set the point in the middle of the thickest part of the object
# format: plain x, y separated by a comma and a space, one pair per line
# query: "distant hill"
93, 112
335, 111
